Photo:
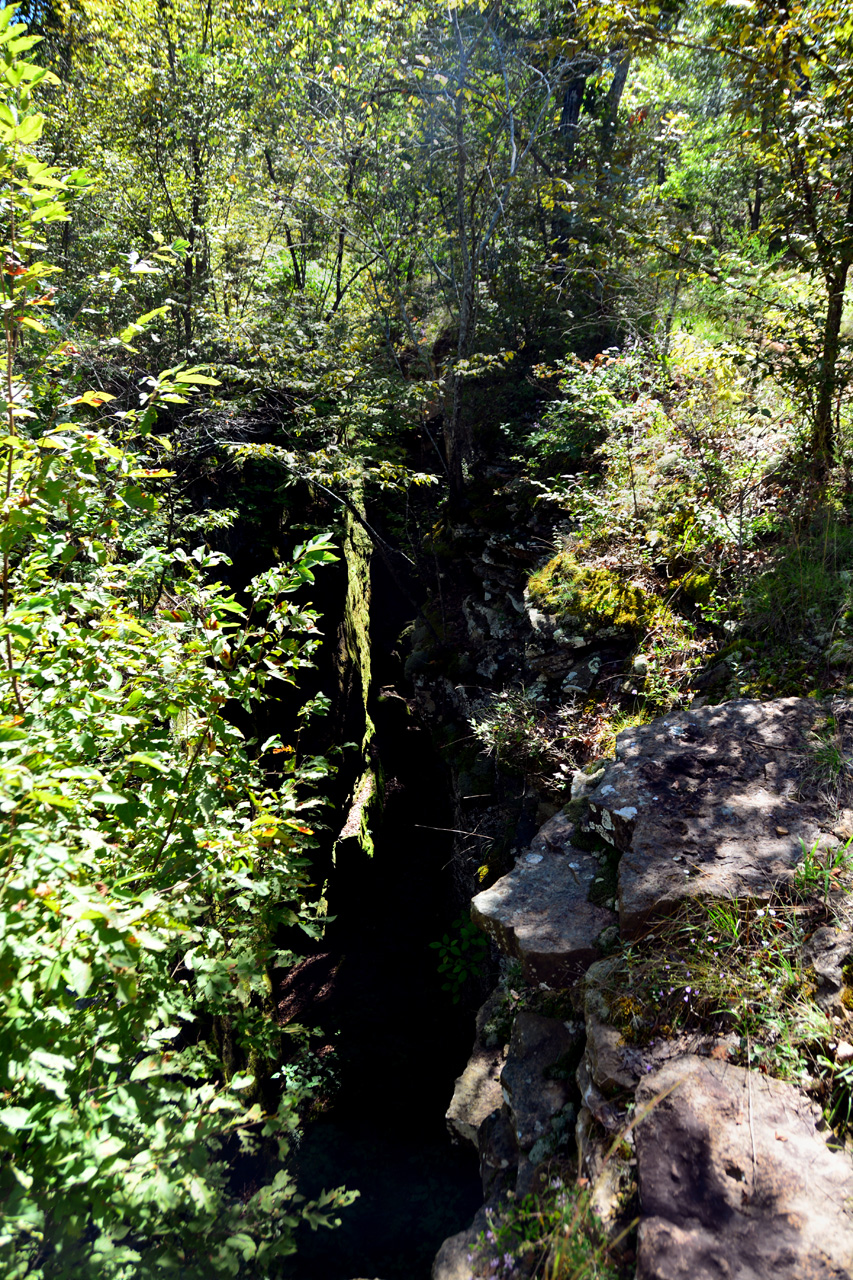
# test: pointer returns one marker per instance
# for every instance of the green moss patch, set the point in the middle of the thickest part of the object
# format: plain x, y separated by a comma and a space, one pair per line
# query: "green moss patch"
698, 587
596, 595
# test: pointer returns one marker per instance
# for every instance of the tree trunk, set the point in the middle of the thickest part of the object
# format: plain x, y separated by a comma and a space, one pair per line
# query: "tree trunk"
755, 205
823, 433
457, 432
194, 260
454, 429
570, 112
298, 279
611, 107
189, 264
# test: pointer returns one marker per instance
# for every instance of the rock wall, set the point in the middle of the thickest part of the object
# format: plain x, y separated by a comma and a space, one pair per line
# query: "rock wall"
353, 678
730, 1172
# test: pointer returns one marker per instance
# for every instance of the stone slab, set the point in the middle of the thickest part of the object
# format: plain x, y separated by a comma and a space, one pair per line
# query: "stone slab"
736, 1181
827, 952
533, 1091
709, 803
540, 911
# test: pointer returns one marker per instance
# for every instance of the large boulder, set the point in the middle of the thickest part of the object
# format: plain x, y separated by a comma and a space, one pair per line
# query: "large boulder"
736, 1180
714, 802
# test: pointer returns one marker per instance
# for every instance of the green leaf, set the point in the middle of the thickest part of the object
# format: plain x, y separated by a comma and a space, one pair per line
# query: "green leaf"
80, 975
152, 762
109, 798
29, 323
189, 375
15, 1118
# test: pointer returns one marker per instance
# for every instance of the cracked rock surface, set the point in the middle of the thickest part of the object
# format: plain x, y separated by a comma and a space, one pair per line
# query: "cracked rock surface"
712, 802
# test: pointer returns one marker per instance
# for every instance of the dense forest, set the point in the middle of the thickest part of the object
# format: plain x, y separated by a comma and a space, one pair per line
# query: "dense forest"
288, 288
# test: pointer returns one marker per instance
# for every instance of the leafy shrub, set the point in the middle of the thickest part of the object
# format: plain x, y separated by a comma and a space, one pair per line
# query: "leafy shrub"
593, 395
808, 588
521, 734
150, 852
462, 952
554, 1233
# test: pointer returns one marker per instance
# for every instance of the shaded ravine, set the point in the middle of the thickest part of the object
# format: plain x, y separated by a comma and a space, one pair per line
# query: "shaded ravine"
400, 1042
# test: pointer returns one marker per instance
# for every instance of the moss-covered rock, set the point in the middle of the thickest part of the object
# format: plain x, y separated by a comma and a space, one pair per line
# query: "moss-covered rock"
590, 597
698, 587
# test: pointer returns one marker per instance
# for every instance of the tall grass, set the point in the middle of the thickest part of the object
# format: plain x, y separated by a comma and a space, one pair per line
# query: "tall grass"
807, 587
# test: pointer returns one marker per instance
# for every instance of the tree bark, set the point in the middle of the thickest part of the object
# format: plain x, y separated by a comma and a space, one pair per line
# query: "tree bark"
454, 430
823, 432
611, 106
755, 205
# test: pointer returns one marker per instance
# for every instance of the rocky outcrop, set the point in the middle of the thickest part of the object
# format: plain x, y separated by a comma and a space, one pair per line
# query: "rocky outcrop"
540, 912
827, 953
711, 803
736, 1179
498, 1153
611, 1065
536, 1079
454, 1260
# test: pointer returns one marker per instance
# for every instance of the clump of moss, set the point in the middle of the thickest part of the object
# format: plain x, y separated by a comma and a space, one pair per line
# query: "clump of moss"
576, 810
698, 587
568, 589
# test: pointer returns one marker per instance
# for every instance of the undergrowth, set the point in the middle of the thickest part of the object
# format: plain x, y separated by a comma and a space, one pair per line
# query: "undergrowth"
554, 1234
738, 970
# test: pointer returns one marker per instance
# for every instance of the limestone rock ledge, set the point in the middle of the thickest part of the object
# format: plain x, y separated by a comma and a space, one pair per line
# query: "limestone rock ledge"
735, 1177
713, 802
